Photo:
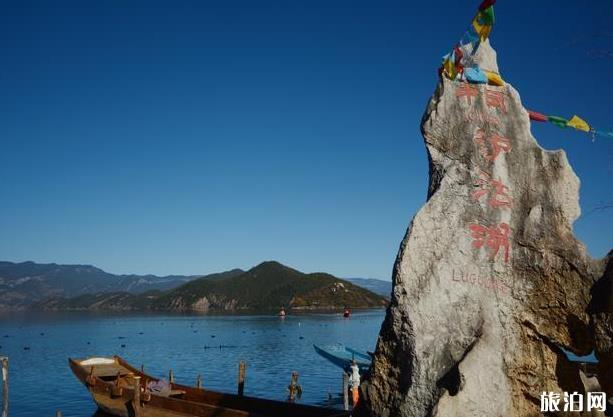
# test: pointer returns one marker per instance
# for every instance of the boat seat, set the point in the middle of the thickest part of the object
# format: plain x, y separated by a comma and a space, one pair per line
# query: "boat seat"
107, 371
110, 374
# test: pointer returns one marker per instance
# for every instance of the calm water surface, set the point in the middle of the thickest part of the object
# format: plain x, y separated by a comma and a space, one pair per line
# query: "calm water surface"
41, 381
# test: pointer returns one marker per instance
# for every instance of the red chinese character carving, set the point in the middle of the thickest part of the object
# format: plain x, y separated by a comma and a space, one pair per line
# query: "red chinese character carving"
493, 237
498, 144
481, 118
468, 91
495, 99
495, 189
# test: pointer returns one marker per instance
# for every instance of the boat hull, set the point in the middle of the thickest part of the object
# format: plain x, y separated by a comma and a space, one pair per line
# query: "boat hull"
119, 400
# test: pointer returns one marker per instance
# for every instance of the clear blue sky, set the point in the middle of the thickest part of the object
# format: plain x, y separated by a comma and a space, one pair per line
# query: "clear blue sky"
195, 136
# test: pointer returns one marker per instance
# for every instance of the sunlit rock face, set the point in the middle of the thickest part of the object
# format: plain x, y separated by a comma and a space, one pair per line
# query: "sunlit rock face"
489, 281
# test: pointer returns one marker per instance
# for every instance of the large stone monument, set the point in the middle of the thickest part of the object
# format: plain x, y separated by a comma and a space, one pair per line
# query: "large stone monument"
490, 283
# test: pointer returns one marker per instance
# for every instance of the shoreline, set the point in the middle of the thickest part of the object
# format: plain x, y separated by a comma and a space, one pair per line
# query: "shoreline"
187, 313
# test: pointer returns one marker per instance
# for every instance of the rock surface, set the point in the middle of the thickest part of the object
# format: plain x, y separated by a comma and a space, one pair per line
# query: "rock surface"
489, 281
601, 310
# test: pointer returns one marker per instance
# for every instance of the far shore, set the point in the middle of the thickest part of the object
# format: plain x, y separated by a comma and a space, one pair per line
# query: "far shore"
190, 313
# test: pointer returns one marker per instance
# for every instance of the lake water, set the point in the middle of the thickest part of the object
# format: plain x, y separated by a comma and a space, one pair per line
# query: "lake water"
41, 381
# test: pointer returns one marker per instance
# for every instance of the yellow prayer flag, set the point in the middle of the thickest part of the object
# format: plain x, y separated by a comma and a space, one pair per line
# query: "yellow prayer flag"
482, 30
450, 68
578, 123
494, 78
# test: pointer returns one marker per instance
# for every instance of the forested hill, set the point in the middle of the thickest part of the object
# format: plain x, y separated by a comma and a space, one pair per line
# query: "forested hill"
269, 285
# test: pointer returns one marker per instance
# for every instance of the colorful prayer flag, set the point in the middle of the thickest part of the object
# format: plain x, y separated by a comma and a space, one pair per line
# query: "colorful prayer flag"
603, 133
494, 78
578, 124
482, 30
558, 121
450, 68
486, 3
486, 16
538, 117
471, 35
479, 30
475, 75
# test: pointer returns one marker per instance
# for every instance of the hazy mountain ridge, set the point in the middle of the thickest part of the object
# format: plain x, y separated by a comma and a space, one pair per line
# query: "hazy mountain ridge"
378, 286
27, 283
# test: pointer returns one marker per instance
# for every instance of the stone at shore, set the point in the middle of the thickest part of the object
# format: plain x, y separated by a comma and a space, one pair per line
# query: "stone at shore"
490, 282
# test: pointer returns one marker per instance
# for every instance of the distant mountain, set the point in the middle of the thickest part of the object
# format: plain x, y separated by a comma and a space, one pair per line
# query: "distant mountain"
104, 301
377, 286
27, 283
267, 286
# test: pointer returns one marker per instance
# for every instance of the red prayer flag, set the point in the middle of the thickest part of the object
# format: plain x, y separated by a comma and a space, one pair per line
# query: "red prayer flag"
486, 4
538, 117
458, 55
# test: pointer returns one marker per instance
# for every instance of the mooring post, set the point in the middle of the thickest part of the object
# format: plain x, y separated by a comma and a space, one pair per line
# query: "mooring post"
345, 391
5, 386
142, 369
241, 377
171, 376
199, 381
136, 397
58, 413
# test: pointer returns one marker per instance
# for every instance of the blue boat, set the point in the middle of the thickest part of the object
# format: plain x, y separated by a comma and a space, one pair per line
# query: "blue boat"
365, 356
342, 356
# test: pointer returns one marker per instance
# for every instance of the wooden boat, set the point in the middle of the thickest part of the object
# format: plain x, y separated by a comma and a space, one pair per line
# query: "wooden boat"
119, 389
342, 357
